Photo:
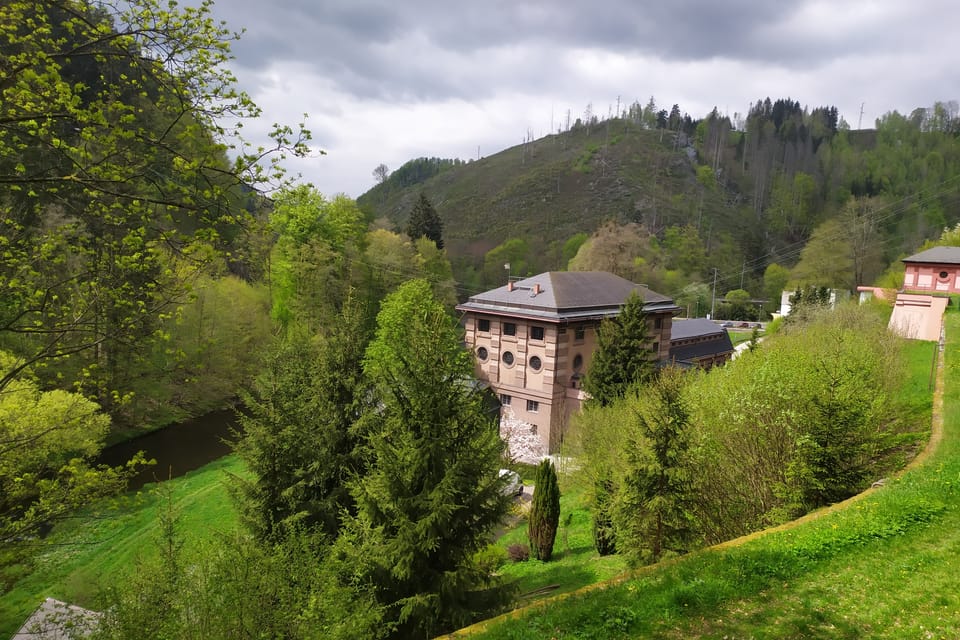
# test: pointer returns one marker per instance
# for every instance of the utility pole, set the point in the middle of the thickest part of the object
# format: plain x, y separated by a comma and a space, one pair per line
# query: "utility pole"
860, 121
713, 298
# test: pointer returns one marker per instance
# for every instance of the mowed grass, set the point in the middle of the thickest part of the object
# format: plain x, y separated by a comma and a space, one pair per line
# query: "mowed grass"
91, 551
883, 565
575, 562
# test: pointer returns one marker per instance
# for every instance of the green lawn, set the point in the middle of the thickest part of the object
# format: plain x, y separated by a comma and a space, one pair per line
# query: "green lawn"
575, 562
880, 566
93, 549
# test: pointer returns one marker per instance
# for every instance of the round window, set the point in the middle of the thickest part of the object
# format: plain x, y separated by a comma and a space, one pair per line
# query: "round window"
943, 275
507, 358
577, 362
535, 363
482, 353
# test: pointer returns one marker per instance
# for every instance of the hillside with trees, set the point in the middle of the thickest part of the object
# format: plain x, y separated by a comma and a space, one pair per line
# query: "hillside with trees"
783, 192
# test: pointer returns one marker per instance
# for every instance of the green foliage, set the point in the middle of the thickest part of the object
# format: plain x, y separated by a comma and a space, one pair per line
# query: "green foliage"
197, 360
604, 533
827, 259
234, 587
805, 421
113, 156
310, 265
298, 439
623, 357
47, 442
571, 247
424, 222
432, 492
514, 252
544, 512
652, 505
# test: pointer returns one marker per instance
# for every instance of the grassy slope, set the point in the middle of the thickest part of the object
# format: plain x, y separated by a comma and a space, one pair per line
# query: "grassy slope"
575, 563
880, 565
83, 554
552, 188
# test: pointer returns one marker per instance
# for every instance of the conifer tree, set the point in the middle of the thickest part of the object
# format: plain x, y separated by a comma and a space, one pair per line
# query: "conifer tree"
297, 438
651, 511
604, 533
544, 512
424, 222
433, 492
623, 357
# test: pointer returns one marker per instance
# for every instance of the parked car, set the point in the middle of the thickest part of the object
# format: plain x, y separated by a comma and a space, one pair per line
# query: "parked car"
514, 486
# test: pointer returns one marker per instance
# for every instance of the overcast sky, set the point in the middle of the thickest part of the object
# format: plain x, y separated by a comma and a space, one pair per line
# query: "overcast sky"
384, 81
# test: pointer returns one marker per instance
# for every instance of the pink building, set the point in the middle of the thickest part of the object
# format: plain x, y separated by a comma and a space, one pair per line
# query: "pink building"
533, 341
933, 270
928, 278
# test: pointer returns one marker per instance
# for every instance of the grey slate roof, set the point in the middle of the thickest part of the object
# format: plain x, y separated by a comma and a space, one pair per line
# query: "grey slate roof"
566, 295
716, 342
937, 255
685, 328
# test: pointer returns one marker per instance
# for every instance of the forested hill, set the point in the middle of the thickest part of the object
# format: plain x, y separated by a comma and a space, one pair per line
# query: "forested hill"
735, 196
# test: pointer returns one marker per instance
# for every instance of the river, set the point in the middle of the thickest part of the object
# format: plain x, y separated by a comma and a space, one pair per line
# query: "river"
179, 448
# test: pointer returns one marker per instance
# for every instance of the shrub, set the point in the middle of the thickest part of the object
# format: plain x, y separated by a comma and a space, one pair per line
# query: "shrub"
604, 538
544, 512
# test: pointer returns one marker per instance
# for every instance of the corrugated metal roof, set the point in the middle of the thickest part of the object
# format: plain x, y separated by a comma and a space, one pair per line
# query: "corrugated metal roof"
937, 255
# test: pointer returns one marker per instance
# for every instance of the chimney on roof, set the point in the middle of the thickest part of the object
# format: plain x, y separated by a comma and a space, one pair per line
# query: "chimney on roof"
536, 289
510, 285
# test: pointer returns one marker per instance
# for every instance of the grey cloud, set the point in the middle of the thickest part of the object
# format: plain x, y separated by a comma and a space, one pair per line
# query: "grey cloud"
363, 46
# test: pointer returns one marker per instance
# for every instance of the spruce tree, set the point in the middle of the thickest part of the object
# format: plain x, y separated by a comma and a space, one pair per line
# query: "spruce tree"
652, 502
424, 222
623, 357
297, 439
433, 492
604, 533
544, 512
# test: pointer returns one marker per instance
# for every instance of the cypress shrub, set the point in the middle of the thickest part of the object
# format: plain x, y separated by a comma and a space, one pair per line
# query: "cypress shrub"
544, 512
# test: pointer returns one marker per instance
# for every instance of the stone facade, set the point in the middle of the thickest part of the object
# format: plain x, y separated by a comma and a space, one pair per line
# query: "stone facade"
534, 339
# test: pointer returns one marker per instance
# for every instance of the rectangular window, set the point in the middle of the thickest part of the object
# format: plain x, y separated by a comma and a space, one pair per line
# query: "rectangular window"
533, 406
483, 324
924, 281
578, 333
509, 329
536, 333
658, 323
505, 399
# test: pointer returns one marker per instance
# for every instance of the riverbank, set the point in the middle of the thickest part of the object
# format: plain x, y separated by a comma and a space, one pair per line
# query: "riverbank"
90, 551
